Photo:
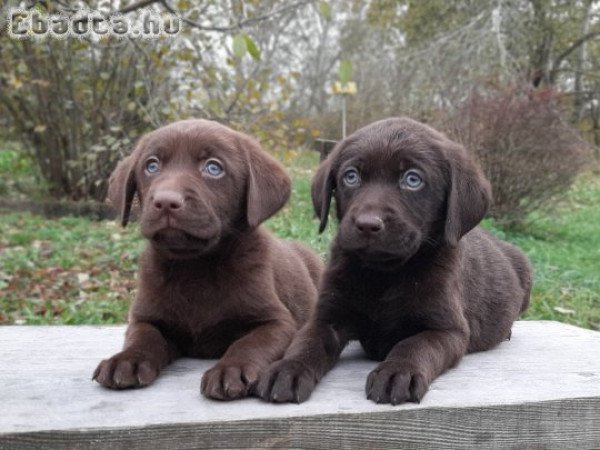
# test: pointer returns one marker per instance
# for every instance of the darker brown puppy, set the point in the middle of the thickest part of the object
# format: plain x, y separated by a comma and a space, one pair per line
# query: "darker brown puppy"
212, 282
411, 276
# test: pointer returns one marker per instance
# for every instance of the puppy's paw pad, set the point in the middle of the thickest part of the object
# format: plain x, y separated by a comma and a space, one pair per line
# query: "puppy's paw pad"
286, 381
396, 383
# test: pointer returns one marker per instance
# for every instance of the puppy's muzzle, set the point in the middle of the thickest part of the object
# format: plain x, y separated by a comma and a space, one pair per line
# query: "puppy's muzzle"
173, 217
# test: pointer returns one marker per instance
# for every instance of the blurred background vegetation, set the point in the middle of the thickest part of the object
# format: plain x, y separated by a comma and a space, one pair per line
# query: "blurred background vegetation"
516, 81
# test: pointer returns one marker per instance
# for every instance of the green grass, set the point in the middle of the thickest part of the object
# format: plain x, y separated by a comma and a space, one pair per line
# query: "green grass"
67, 271
564, 247
296, 221
74, 270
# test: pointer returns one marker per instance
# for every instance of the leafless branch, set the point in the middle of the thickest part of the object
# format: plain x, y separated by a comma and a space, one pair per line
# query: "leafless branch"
574, 46
137, 5
241, 24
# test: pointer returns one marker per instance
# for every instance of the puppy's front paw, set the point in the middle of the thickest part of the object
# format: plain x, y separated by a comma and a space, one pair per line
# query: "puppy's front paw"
286, 381
396, 383
229, 380
126, 370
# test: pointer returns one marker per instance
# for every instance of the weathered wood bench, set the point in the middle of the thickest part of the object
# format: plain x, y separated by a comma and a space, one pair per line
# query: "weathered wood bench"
539, 390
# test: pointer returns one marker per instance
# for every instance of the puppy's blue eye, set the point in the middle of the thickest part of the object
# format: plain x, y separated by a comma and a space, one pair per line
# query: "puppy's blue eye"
412, 180
153, 165
351, 177
213, 168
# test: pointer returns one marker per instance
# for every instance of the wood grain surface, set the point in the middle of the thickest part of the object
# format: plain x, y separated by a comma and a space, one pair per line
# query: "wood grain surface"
541, 389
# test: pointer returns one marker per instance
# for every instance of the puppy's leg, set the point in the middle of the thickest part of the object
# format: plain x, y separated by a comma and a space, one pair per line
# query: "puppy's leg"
237, 371
313, 352
144, 354
413, 364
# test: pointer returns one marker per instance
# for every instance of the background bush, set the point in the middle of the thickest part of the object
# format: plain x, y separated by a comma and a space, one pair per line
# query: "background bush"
528, 152
75, 106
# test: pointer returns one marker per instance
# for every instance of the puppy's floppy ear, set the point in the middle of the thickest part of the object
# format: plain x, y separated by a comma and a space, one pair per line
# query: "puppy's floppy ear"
269, 186
469, 195
323, 185
122, 188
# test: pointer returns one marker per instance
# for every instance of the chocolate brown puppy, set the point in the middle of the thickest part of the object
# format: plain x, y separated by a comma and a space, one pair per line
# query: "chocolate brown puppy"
212, 282
411, 275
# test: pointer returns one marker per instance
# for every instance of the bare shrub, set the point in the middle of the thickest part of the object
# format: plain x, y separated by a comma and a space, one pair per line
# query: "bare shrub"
75, 106
529, 153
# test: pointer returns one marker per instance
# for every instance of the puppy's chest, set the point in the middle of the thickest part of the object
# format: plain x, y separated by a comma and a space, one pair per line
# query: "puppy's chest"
395, 315
200, 292
208, 341
386, 299
201, 315
386, 313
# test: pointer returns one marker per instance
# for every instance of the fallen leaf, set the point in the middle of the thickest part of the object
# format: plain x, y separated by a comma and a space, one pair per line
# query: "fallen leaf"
562, 310
83, 277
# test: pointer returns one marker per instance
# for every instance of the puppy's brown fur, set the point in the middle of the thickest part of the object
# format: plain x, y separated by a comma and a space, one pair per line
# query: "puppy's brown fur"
212, 282
411, 275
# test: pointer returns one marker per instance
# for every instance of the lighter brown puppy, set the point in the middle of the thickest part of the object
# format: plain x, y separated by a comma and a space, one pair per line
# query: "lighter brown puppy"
212, 282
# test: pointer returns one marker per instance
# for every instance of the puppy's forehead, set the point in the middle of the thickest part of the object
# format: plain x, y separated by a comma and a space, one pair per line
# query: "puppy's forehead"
394, 142
192, 136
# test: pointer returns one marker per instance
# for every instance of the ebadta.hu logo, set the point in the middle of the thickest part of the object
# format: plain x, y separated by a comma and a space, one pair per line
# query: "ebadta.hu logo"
145, 24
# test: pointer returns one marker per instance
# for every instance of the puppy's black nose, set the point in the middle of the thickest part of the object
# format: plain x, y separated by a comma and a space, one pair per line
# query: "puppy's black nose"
369, 223
167, 200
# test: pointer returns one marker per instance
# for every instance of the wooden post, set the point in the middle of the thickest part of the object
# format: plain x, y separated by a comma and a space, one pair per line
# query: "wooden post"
343, 117
344, 90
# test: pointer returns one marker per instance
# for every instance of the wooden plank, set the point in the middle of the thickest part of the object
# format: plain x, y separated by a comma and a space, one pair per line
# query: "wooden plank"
539, 390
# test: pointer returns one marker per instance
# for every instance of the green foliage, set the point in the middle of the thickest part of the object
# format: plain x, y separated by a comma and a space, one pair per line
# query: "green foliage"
251, 47
325, 10
17, 175
345, 71
239, 45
